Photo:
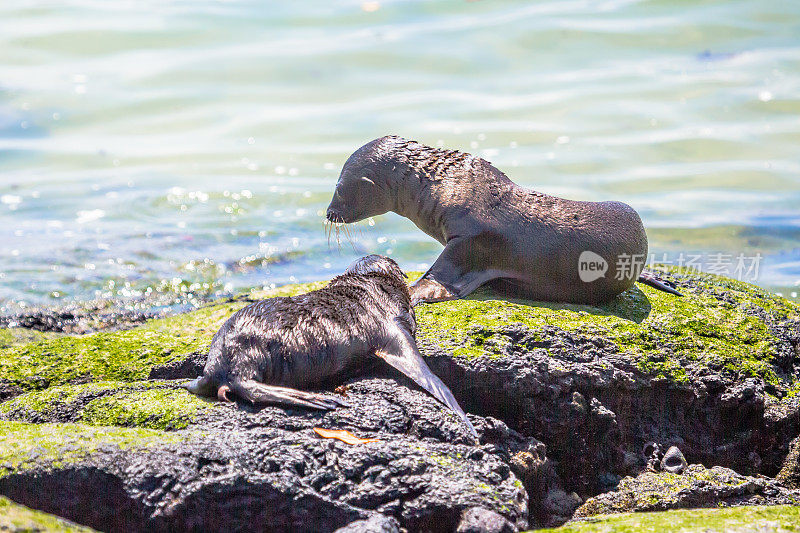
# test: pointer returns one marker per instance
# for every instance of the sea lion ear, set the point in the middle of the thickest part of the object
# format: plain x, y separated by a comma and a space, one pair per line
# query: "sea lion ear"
367, 179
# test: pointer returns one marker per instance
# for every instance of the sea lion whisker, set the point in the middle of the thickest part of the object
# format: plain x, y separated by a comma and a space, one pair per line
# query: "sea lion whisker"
349, 236
346, 232
328, 227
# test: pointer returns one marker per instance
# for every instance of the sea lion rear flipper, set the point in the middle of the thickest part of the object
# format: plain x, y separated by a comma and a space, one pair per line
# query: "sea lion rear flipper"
259, 393
402, 353
648, 278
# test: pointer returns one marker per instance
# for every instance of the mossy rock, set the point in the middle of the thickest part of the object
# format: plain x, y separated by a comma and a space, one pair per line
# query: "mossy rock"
696, 487
153, 405
122, 355
16, 336
95, 386
118, 355
24, 445
18, 518
721, 324
265, 469
756, 519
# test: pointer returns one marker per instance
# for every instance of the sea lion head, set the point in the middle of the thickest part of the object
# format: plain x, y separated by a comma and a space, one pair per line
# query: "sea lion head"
364, 186
375, 263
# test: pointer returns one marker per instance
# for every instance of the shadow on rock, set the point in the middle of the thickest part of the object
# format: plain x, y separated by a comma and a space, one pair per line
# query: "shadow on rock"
632, 304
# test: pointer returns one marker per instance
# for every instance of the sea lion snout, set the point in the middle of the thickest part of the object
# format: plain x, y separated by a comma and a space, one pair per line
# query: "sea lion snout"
364, 188
339, 212
333, 216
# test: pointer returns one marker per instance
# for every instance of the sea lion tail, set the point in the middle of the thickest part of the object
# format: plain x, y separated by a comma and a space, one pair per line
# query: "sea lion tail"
657, 283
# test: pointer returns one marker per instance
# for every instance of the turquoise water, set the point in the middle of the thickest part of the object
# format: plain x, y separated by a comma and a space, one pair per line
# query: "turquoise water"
192, 146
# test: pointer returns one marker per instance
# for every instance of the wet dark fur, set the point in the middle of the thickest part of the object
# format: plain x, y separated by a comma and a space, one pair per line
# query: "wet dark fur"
270, 350
308, 340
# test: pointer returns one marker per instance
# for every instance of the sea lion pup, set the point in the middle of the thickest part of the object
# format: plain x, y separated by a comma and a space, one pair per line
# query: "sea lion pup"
268, 350
526, 243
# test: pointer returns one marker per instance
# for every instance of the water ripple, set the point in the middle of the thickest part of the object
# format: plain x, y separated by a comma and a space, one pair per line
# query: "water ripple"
130, 131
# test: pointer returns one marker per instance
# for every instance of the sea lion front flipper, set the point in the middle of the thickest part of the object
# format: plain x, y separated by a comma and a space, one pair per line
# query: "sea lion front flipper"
427, 289
259, 393
449, 277
402, 353
201, 386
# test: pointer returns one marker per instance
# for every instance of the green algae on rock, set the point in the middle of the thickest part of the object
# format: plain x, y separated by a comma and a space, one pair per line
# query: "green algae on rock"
711, 371
696, 487
594, 383
18, 518
719, 323
754, 519
153, 405
16, 336
790, 471
267, 469
24, 446
122, 355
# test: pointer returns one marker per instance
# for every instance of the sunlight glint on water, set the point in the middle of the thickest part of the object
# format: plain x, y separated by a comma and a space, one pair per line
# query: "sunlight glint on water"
192, 147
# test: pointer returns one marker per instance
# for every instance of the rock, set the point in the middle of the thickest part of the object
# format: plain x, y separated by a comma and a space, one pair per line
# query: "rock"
482, 520
598, 383
239, 466
9, 390
86, 318
143, 404
674, 462
653, 456
565, 398
558, 506
754, 519
18, 518
377, 523
698, 486
790, 472
550, 505
186, 367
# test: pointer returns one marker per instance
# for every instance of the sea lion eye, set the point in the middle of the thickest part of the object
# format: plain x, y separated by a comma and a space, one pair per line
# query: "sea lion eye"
367, 179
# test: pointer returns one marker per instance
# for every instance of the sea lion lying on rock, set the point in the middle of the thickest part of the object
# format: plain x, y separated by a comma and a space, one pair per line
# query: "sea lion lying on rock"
270, 349
527, 243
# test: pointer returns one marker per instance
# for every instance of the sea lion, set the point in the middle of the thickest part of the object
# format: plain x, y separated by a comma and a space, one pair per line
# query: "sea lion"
529, 244
270, 349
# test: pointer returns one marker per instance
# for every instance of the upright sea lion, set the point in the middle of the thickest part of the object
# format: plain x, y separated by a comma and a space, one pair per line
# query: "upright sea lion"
525, 242
268, 350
